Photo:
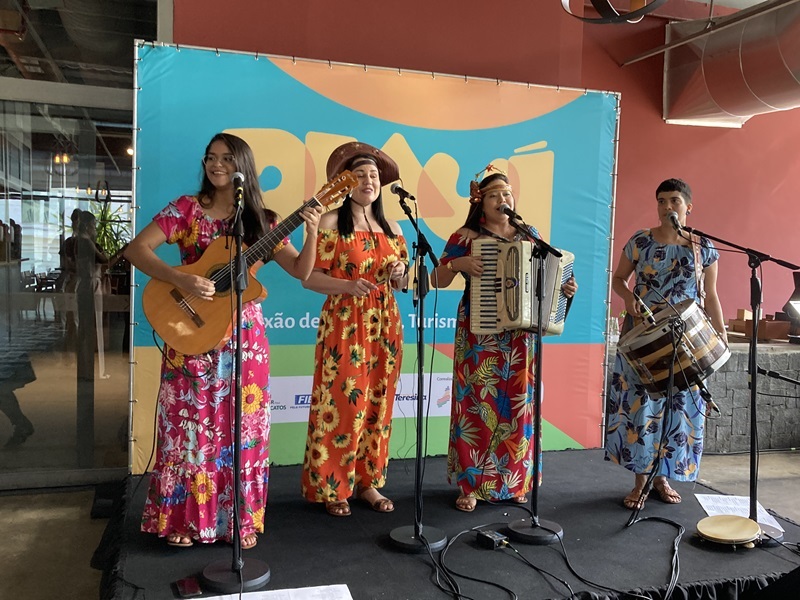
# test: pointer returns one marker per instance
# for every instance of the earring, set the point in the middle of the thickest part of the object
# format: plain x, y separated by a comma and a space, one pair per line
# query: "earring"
482, 220
688, 212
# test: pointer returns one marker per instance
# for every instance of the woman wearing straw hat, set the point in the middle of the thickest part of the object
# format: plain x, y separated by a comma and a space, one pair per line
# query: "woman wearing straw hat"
362, 260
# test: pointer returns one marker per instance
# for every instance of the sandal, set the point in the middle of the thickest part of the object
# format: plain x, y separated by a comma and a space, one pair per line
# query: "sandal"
379, 503
635, 500
338, 508
179, 540
665, 492
466, 503
249, 541
520, 499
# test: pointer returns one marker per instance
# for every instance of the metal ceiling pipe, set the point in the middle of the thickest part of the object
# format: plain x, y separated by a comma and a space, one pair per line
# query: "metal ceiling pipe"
21, 48
91, 25
730, 75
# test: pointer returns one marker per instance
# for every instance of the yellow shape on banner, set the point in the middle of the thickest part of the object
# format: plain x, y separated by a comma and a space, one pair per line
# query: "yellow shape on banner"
425, 99
302, 169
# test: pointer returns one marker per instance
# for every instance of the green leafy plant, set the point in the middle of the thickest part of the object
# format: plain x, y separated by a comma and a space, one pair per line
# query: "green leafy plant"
114, 229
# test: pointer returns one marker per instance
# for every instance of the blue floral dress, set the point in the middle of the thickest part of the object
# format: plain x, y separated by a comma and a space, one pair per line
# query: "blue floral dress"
664, 273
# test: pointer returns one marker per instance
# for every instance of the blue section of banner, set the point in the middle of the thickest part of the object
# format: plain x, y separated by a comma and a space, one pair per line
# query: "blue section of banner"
176, 116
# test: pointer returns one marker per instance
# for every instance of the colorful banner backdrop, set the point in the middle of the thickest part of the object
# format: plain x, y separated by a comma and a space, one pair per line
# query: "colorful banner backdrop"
557, 145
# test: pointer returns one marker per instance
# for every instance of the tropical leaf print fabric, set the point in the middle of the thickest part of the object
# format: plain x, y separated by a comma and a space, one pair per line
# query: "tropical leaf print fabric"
637, 421
357, 365
191, 488
490, 452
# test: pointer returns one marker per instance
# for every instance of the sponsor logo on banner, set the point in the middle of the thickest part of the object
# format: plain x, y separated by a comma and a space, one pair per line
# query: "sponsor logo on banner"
290, 401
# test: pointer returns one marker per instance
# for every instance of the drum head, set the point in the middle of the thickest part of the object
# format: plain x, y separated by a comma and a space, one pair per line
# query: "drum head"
729, 529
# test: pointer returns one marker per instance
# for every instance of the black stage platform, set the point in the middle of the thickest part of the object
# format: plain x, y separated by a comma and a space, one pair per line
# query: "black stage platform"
304, 546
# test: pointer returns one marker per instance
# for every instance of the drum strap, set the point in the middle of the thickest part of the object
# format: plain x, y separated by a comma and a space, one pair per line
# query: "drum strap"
698, 270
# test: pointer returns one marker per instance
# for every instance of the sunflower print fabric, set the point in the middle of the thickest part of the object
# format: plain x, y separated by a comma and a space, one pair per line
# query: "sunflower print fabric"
663, 272
191, 487
357, 365
490, 452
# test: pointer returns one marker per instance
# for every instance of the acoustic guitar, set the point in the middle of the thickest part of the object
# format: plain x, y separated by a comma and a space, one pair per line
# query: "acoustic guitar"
192, 325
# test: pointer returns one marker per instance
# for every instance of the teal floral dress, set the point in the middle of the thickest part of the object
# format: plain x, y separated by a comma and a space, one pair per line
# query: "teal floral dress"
664, 273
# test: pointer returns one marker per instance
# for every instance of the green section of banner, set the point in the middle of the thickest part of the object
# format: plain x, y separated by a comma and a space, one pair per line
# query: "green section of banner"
286, 447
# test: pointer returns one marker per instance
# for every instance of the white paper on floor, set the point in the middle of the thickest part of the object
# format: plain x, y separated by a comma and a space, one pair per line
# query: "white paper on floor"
714, 504
324, 592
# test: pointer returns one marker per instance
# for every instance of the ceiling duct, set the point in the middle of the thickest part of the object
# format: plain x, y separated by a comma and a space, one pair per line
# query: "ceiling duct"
92, 26
21, 46
724, 77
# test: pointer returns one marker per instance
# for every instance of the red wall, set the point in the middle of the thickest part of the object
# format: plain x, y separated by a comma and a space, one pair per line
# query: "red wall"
743, 179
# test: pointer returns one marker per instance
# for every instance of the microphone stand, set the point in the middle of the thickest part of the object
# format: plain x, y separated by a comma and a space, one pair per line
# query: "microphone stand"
536, 531
754, 260
677, 327
411, 538
251, 574
776, 375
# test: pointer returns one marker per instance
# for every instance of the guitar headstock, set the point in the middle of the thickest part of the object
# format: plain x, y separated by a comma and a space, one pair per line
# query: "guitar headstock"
337, 188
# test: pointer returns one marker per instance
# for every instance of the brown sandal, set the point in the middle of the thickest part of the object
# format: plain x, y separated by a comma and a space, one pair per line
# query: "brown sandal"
466, 503
338, 508
635, 500
253, 540
665, 492
380, 504
179, 540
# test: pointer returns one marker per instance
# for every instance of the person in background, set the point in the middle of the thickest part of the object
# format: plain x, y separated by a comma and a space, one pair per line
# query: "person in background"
491, 423
362, 260
89, 261
192, 485
68, 281
16, 372
668, 268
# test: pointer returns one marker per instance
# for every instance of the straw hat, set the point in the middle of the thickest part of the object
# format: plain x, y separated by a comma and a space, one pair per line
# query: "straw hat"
343, 158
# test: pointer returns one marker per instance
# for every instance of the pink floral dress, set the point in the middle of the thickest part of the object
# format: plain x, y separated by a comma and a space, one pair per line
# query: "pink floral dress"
191, 488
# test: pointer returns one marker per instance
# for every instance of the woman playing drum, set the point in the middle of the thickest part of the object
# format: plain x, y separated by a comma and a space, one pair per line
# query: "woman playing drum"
663, 261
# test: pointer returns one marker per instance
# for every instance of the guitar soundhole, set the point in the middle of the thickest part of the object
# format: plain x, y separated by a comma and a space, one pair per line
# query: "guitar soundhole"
221, 278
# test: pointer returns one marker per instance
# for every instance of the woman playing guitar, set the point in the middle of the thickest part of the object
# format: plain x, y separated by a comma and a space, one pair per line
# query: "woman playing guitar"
190, 495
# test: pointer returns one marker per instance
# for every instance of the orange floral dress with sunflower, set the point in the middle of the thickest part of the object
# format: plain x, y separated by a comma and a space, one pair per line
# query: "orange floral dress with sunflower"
357, 365
191, 487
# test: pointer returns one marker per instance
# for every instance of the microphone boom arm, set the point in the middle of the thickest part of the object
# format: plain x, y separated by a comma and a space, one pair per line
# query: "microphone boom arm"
423, 246
525, 230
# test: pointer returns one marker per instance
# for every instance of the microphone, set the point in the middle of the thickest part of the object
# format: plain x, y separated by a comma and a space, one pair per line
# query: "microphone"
673, 218
507, 210
396, 189
238, 186
645, 310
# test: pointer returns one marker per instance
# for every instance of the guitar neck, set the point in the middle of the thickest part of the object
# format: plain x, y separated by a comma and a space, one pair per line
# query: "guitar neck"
266, 244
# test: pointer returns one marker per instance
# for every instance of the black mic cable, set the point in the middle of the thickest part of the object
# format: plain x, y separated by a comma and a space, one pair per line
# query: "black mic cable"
644, 309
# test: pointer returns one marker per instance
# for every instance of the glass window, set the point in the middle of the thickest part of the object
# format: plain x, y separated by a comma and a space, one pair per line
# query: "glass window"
65, 216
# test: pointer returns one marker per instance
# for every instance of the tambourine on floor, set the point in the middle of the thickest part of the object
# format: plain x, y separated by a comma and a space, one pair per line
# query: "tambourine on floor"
733, 530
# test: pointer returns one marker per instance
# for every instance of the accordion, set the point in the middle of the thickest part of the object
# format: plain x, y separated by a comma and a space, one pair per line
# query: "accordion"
504, 297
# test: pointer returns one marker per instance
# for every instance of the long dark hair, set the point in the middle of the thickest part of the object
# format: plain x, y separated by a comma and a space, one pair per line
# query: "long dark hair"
475, 213
345, 216
256, 218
